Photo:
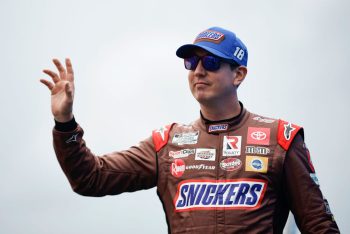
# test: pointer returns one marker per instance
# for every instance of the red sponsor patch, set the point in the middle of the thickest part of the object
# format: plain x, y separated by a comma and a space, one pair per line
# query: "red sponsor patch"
177, 168
258, 136
230, 164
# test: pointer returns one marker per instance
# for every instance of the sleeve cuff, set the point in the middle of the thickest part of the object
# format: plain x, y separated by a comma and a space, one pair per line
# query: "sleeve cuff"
69, 126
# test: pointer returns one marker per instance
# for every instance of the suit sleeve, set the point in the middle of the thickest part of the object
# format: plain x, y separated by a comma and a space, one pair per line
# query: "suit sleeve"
310, 209
110, 174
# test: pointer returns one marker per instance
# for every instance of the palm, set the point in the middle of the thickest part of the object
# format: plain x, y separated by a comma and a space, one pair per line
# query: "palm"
60, 102
62, 91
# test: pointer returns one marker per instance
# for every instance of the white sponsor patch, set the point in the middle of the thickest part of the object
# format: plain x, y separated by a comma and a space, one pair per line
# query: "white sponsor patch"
257, 150
232, 146
263, 120
199, 167
186, 138
181, 153
205, 154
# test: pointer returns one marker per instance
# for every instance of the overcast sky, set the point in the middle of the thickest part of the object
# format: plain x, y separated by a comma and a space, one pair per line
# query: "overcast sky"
129, 81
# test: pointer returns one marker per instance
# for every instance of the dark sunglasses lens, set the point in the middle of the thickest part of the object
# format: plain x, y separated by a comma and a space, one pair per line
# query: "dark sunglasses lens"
211, 63
191, 63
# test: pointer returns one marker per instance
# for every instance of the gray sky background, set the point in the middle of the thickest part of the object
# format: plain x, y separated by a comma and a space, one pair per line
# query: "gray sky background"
129, 81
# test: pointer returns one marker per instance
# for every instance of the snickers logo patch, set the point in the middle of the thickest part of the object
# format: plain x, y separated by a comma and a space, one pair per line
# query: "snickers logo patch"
212, 194
211, 36
217, 127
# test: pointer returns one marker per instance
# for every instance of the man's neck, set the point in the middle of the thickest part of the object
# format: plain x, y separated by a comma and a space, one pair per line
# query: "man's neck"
220, 112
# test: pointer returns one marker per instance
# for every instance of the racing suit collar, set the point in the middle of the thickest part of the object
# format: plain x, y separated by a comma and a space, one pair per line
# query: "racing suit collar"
216, 127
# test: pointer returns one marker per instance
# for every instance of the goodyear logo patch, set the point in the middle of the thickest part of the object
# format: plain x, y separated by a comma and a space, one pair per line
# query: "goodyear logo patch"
213, 194
256, 164
211, 36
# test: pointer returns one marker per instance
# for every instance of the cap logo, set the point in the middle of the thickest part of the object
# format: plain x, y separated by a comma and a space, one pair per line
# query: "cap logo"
239, 53
210, 36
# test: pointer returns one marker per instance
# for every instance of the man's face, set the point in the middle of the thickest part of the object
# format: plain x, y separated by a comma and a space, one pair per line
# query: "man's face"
212, 87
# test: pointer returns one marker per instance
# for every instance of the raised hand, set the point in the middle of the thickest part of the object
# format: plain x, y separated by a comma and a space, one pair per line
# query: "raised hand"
62, 90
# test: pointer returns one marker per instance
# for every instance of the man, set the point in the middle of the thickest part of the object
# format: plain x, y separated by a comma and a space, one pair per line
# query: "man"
230, 171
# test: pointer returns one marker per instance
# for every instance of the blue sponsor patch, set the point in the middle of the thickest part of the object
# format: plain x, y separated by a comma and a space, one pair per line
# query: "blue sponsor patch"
212, 194
257, 164
217, 127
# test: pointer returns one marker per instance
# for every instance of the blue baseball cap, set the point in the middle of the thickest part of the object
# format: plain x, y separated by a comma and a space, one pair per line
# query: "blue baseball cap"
220, 42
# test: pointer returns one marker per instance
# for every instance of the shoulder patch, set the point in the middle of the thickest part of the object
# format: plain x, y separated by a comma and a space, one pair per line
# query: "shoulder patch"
161, 136
286, 133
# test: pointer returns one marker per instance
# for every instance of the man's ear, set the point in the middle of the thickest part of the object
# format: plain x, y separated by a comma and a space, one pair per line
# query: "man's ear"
241, 73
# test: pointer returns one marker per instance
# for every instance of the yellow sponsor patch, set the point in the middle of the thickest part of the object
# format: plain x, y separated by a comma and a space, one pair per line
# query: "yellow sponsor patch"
256, 164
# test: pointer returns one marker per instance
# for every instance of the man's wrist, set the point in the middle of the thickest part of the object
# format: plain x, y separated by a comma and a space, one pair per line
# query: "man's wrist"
69, 126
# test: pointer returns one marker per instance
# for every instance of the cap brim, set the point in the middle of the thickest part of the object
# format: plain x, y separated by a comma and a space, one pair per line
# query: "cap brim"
187, 50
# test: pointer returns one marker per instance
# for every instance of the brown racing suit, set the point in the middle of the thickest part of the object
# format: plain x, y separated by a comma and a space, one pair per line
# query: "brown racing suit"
241, 175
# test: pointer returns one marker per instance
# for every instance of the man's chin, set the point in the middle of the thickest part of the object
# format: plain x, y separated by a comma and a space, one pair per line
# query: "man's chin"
204, 100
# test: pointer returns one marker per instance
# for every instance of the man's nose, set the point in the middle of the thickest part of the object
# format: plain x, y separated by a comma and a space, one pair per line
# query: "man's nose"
200, 71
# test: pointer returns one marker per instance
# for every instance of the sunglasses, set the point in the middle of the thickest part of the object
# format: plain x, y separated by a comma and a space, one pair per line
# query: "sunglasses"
209, 62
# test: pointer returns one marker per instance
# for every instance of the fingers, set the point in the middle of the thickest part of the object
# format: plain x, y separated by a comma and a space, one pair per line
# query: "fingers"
47, 83
70, 73
60, 68
53, 75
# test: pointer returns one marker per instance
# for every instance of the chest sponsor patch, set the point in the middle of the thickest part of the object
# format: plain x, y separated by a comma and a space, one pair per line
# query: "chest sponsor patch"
217, 127
263, 120
258, 136
205, 154
199, 167
177, 168
231, 164
257, 150
181, 153
232, 146
185, 138
256, 164
227, 194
